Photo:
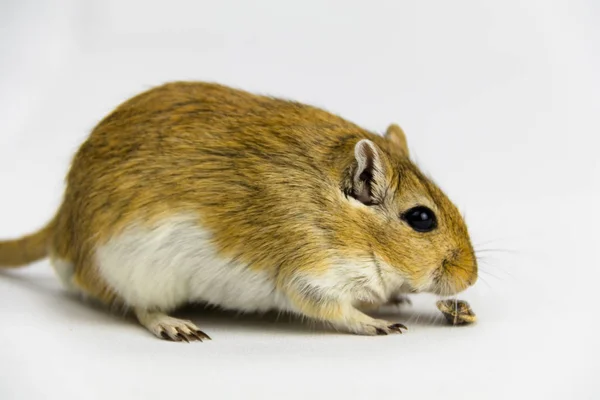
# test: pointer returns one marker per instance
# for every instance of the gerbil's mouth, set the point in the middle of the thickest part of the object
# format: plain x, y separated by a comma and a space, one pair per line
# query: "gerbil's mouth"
453, 276
444, 290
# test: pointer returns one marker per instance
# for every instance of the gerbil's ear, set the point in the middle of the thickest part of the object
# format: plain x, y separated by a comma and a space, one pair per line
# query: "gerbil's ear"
369, 176
397, 138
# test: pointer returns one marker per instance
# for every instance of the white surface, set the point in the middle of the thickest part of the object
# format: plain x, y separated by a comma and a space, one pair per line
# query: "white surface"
500, 104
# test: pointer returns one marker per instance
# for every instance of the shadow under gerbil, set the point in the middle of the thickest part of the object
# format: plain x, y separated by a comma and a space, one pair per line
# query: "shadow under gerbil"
207, 316
58, 300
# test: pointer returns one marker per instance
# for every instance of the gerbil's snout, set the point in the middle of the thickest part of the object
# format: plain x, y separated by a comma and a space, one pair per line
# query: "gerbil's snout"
457, 272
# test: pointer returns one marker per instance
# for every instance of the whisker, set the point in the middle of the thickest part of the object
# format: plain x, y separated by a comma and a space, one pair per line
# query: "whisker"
417, 318
491, 241
486, 243
486, 268
490, 274
495, 250
432, 318
487, 260
484, 281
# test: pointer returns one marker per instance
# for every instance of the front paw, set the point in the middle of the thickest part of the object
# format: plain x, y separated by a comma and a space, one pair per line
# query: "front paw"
379, 327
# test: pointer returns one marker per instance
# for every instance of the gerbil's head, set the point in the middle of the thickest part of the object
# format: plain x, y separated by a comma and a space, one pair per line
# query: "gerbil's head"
411, 226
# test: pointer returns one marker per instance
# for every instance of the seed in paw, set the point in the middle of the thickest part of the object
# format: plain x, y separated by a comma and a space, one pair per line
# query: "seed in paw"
457, 312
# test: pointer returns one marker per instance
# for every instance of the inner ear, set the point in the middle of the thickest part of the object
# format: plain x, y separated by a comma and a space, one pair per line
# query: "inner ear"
369, 175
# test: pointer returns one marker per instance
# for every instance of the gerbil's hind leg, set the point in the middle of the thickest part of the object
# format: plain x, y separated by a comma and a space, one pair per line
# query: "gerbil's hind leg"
169, 328
65, 270
82, 283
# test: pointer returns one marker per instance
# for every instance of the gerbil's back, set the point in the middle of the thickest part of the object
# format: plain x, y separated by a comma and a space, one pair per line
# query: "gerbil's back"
242, 161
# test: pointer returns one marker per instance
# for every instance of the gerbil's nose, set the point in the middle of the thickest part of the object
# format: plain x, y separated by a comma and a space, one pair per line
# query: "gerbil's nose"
475, 274
473, 279
461, 269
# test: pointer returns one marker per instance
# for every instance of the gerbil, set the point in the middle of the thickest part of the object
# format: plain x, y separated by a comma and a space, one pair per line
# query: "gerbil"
196, 192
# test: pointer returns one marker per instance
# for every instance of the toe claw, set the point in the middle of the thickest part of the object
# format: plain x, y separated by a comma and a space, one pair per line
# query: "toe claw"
398, 326
183, 338
203, 335
169, 328
182, 335
195, 336
380, 331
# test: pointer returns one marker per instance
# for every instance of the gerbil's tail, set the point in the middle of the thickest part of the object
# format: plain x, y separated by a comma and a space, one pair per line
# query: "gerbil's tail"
23, 251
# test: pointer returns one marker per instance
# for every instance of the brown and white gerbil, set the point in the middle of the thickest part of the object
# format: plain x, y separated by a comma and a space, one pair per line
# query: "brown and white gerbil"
196, 192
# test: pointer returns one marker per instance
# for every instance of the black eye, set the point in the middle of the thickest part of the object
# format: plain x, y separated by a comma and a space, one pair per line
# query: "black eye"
421, 219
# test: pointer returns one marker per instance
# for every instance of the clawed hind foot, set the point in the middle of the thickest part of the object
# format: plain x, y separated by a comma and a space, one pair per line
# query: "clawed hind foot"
169, 328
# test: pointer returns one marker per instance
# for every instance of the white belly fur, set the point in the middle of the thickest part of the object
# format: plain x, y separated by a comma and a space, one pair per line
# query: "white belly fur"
174, 262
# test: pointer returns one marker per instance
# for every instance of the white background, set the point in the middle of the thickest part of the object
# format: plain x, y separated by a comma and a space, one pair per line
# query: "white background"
500, 104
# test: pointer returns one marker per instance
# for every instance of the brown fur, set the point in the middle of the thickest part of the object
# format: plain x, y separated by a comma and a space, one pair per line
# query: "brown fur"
25, 250
271, 179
